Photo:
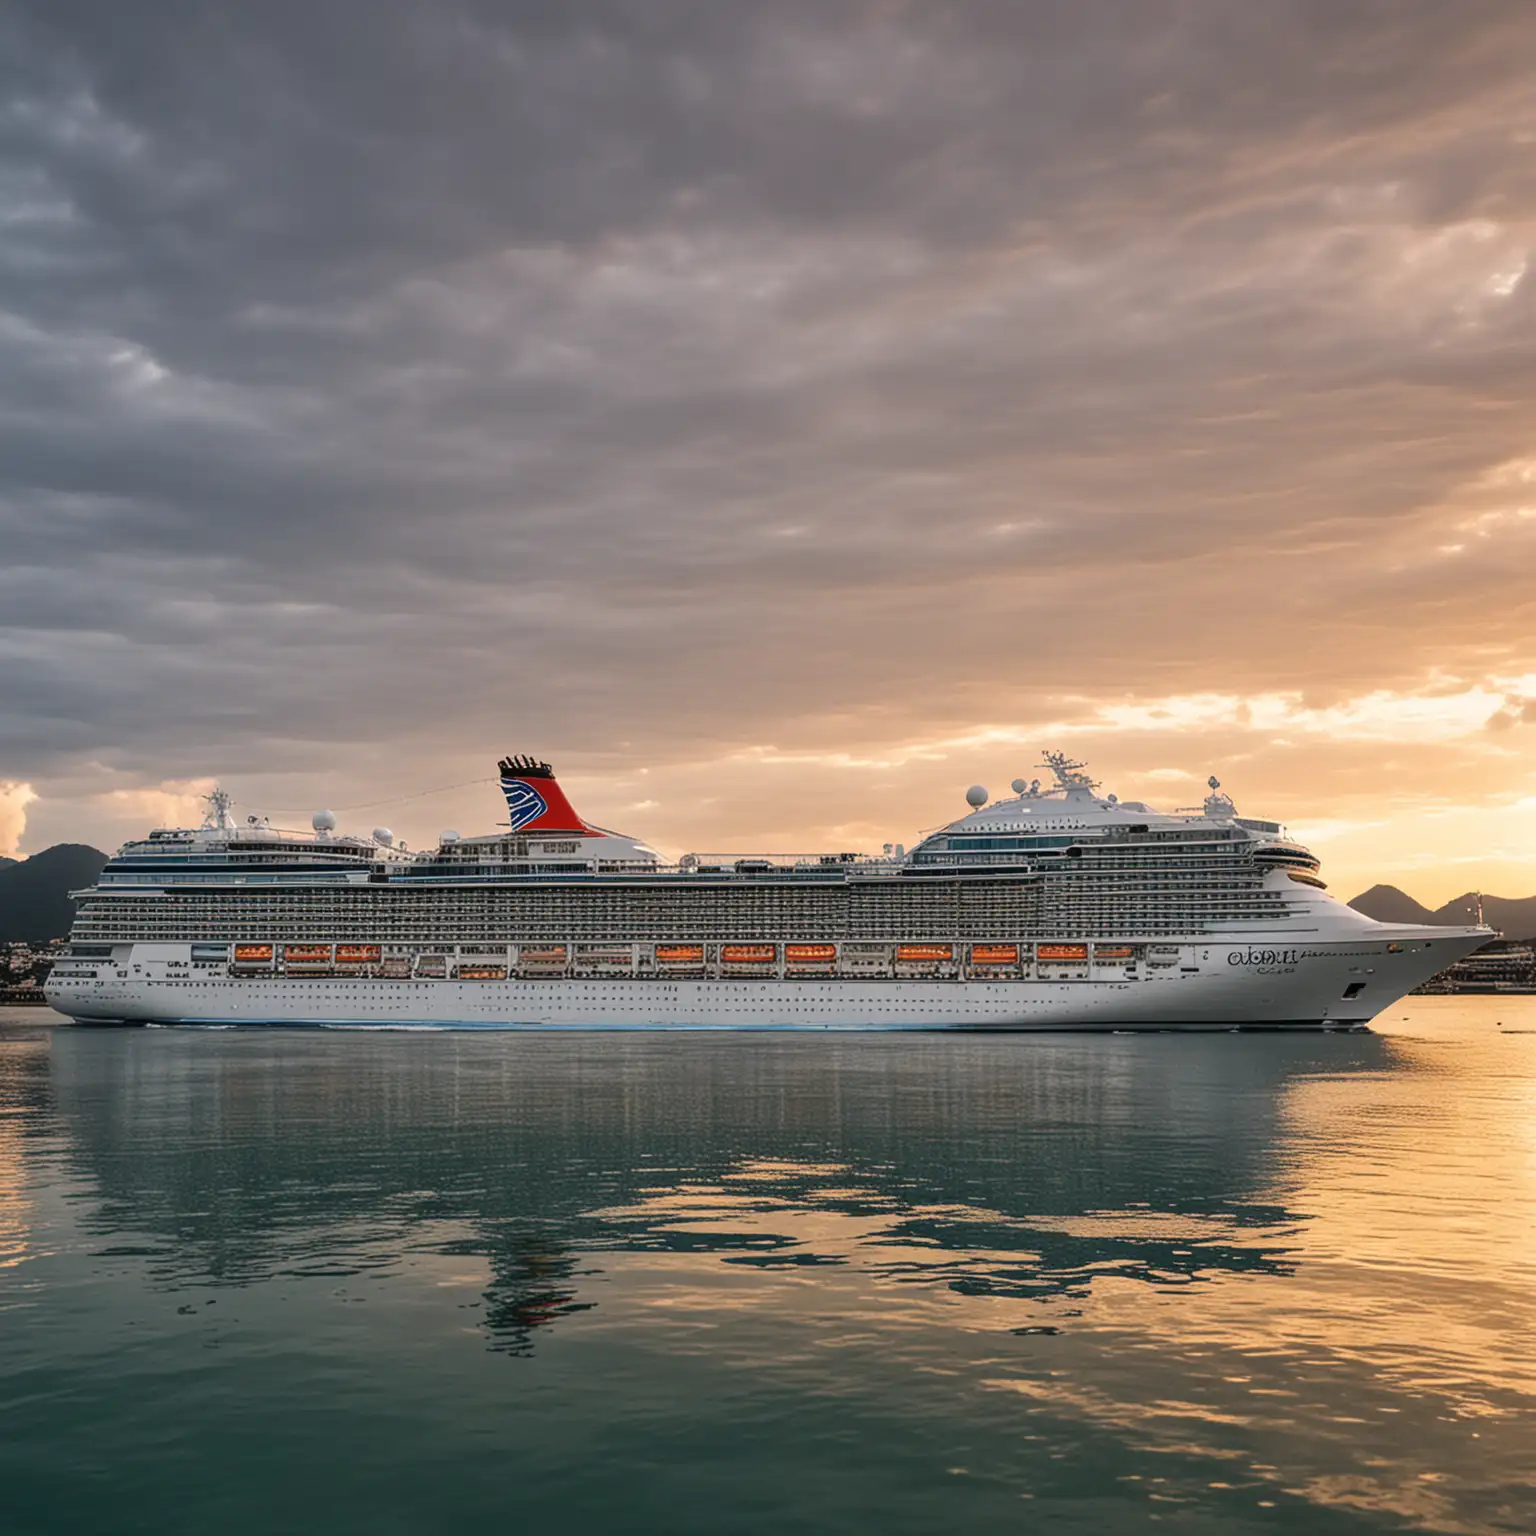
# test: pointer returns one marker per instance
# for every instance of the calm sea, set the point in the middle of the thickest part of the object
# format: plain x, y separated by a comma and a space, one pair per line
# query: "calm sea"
395, 1282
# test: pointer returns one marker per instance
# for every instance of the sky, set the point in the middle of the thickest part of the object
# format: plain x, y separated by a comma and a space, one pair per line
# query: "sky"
779, 417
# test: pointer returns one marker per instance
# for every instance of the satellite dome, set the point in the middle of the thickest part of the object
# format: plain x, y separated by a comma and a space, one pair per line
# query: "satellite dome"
1020, 786
976, 796
323, 821
450, 836
383, 836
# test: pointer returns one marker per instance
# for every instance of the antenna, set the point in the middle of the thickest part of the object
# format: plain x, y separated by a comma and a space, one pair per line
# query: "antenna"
216, 817
1070, 774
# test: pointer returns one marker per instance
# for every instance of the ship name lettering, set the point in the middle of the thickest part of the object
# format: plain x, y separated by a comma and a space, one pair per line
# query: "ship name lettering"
1263, 957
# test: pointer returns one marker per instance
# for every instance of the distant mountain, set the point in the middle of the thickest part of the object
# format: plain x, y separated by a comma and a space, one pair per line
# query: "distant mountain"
1387, 904
4, 861
34, 893
1515, 918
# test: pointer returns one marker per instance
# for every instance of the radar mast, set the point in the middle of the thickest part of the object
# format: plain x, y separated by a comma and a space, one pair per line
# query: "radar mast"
1217, 803
1070, 774
216, 817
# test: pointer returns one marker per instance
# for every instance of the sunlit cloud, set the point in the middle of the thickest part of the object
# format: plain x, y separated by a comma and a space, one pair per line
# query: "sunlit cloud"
14, 800
170, 804
1379, 716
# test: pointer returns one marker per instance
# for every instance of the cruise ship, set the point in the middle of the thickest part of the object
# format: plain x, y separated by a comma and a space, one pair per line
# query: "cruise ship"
1054, 908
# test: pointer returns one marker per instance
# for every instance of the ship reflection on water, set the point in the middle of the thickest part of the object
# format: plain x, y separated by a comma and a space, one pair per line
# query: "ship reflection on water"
1025, 1174
1249, 1275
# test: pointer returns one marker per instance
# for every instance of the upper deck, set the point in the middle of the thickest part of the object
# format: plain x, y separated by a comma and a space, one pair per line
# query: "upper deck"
1066, 827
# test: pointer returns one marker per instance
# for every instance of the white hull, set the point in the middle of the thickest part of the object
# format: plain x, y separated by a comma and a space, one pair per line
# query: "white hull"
1260, 983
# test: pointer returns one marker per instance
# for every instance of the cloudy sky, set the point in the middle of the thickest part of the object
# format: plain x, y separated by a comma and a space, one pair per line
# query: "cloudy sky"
780, 416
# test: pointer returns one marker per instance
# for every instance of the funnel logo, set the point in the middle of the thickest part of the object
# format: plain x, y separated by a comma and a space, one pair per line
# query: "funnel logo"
524, 802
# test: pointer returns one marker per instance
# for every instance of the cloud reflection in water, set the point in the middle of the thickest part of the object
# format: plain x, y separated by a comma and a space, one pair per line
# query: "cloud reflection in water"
1116, 1273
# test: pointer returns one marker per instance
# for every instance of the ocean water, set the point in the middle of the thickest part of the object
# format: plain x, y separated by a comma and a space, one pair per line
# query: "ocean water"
394, 1282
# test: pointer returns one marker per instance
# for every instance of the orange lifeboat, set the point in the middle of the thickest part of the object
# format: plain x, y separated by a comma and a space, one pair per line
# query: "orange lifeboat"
925, 952
1062, 951
994, 954
358, 954
1114, 952
810, 954
482, 973
548, 954
748, 954
680, 954
307, 952
251, 953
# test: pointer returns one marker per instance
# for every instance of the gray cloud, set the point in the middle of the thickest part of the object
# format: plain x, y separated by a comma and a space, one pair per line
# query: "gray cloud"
412, 381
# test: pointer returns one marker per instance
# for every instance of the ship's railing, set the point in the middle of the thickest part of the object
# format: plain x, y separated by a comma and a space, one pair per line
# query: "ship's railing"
724, 866
744, 863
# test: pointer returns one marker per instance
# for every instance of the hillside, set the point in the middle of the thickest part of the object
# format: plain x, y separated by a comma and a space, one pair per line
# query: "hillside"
1387, 904
34, 893
1514, 917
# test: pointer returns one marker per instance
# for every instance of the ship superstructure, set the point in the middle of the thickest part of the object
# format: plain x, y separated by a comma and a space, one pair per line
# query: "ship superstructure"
1055, 907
